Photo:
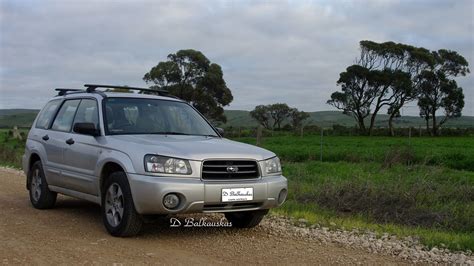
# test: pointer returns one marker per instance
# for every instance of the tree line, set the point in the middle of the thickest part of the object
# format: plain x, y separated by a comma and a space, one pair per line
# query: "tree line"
391, 75
385, 77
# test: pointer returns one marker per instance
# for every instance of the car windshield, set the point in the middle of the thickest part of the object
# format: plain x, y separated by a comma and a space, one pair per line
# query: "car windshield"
154, 116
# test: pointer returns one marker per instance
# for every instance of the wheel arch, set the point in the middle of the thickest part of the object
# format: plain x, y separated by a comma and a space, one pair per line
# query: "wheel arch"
34, 157
107, 169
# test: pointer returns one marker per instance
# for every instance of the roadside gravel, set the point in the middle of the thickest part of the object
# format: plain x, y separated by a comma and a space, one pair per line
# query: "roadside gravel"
408, 249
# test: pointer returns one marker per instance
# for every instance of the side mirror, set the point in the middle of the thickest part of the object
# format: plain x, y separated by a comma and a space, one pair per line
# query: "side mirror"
86, 129
220, 130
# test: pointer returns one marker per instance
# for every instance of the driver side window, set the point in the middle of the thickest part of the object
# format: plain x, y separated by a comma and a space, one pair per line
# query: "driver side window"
87, 113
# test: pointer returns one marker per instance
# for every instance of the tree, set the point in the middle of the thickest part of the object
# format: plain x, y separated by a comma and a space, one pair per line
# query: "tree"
271, 116
438, 92
386, 76
261, 114
297, 118
278, 112
405, 62
189, 75
356, 97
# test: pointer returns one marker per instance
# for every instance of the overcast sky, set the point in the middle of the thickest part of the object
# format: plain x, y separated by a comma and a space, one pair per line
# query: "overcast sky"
270, 51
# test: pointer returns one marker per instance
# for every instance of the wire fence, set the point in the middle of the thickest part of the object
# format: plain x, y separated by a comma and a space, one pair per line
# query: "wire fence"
410, 146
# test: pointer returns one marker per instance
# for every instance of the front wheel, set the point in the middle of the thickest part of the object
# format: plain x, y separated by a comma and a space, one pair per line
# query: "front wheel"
118, 211
245, 219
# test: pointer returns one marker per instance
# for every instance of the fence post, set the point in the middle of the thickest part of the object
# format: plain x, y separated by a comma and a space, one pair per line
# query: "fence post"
259, 135
301, 131
409, 136
321, 148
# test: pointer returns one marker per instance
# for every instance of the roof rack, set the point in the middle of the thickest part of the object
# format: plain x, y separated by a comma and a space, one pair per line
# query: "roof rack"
92, 87
64, 91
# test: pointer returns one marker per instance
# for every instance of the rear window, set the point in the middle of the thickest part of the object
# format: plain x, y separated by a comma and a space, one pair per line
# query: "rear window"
47, 113
63, 121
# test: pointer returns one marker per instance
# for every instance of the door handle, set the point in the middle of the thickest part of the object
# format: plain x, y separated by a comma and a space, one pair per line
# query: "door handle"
45, 137
70, 141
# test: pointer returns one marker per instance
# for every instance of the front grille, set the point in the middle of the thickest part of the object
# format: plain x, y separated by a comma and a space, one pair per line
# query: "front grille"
224, 169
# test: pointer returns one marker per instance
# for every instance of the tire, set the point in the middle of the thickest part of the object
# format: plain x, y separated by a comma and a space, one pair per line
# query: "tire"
118, 210
40, 195
245, 219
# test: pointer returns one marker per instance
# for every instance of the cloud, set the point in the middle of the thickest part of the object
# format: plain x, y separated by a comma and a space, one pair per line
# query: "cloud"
270, 51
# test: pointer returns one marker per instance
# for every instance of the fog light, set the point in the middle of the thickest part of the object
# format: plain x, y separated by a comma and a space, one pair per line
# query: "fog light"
282, 196
171, 201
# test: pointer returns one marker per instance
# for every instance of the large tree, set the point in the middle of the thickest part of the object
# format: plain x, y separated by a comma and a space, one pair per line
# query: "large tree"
355, 99
385, 76
189, 75
365, 92
406, 60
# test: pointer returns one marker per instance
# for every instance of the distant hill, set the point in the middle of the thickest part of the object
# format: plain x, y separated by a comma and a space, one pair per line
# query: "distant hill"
17, 117
240, 118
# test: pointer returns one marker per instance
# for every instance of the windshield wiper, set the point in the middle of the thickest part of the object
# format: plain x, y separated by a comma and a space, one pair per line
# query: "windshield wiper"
170, 133
204, 135
184, 134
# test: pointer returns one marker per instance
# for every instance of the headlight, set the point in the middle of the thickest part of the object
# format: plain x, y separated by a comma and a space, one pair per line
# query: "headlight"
167, 165
271, 166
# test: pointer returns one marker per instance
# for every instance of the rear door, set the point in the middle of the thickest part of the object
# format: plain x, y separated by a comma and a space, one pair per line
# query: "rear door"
58, 135
81, 155
41, 134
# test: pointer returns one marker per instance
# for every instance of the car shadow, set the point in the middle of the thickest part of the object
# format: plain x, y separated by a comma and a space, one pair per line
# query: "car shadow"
167, 226
154, 227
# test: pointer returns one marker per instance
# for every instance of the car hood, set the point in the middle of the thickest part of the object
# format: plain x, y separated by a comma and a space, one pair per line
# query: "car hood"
187, 147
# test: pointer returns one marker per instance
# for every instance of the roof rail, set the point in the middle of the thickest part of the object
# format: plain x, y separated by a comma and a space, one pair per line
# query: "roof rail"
92, 87
64, 91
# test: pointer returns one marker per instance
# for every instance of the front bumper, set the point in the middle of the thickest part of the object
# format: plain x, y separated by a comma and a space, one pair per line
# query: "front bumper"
202, 196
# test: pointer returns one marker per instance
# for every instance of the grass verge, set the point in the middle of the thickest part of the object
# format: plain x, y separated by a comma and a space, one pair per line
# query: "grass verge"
435, 204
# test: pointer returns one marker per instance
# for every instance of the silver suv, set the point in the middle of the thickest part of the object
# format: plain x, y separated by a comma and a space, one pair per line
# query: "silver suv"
138, 154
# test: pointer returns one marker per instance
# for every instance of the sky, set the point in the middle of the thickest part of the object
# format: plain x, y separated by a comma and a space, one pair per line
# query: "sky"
270, 51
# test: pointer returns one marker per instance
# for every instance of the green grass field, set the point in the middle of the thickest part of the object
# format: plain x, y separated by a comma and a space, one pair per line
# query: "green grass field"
421, 187
451, 152
11, 149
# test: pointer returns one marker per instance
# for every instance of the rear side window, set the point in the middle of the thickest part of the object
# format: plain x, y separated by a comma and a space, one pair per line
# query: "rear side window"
87, 113
47, 114
63, 121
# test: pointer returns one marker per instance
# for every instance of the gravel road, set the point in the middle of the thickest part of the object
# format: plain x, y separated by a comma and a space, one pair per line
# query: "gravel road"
73, 233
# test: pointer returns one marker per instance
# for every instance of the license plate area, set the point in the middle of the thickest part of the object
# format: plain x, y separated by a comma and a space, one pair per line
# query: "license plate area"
236, 194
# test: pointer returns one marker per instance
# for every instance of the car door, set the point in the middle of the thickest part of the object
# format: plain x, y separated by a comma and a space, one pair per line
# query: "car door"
42, 136
82, 152
57, 138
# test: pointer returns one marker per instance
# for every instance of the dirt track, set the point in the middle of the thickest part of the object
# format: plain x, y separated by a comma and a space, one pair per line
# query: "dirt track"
73, 233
